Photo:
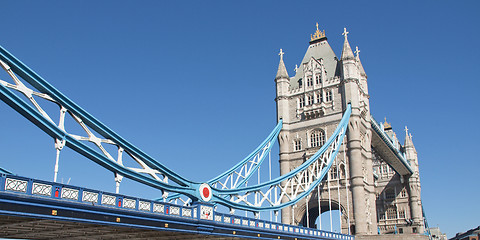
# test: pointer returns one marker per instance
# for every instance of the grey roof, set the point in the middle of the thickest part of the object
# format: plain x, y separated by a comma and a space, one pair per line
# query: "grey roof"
282, 70
359, 64
408, 140
347, 52
318, 50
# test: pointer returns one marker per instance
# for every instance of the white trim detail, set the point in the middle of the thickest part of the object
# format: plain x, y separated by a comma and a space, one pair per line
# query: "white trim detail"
174, 210
108, 200
16, 185
69, 193
158, 208
41, 189
129, 203
90, 197
186, 212
144, 206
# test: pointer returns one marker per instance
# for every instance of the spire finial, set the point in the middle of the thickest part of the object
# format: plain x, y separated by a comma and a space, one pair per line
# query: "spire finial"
386, 125
345, 33
317, 35
282, 71
296, 68
357, 51
406, 130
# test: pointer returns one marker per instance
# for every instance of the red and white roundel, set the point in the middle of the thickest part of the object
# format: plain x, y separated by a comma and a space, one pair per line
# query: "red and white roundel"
205, 192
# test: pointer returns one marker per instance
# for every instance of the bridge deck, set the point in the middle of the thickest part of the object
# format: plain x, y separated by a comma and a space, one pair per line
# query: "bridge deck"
36, 228
44, 210
389, 153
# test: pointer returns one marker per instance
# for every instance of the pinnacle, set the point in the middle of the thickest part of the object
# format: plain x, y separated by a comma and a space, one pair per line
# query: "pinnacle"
359, 63
347, 52
408, 138
282, 70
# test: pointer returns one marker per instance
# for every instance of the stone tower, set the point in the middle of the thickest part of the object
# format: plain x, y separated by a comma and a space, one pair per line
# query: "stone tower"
311, 104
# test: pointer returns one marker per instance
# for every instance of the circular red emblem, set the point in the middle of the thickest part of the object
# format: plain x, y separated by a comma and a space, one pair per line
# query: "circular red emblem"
205, 192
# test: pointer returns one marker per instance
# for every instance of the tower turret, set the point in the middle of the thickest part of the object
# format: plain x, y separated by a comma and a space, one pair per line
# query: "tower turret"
347, 50
414, 184
358, 135
361, 71
282, 81
350, 73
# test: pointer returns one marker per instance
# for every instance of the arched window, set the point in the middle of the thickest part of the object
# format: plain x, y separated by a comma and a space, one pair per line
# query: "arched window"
342, 171
333, 173
317, 138
297, 144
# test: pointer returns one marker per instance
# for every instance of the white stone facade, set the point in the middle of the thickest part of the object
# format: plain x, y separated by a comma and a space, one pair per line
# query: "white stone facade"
311, 104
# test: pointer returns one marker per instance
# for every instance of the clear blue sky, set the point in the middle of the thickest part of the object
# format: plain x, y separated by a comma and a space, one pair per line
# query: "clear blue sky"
192, 83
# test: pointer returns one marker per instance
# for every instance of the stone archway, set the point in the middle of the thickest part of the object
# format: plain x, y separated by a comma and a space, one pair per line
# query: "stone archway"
313, 213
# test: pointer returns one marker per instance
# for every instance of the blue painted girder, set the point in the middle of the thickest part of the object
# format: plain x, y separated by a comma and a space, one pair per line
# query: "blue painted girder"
185, 186
219, 194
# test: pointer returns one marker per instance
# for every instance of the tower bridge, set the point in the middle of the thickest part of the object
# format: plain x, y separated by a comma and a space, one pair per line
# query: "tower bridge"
376, 186
333, 156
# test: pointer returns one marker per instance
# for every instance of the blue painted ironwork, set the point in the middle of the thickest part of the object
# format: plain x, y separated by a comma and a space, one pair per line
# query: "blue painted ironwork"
185, 186
266, 146
198, 218
249, 165
317, 166
388, 141
3, 170
333, 144
427, 228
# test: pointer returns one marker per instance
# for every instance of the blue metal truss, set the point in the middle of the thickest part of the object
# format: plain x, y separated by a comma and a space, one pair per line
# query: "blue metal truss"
239, 174
271, 195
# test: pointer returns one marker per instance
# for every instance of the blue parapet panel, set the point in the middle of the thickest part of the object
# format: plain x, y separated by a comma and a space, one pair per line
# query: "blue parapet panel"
71, 203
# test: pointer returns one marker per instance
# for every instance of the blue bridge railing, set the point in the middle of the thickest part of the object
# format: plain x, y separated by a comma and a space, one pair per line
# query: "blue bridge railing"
27, 188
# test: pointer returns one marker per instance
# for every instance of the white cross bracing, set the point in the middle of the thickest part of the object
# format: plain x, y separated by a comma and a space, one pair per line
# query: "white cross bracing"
234, 179
237, 178
91, 137
290, 189
267, 196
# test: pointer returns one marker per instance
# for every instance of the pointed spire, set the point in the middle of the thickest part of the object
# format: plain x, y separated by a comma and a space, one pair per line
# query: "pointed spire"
408, 139
359, 63
347, 50
282, 71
